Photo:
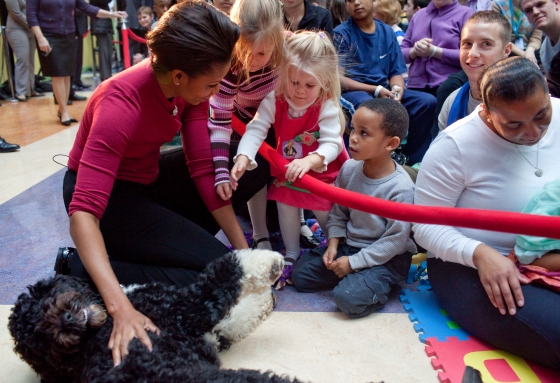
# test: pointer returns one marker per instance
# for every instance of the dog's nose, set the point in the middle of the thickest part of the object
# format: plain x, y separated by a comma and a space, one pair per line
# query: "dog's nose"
67, 318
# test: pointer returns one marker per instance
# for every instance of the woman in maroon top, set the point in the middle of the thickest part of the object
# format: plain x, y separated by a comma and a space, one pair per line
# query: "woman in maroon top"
155, 216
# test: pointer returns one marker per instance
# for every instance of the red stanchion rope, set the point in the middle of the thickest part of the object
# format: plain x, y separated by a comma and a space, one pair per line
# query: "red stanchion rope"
135, 37
126, 33
493, 220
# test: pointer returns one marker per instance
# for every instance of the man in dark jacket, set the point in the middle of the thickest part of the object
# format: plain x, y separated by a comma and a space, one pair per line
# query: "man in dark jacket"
102, 29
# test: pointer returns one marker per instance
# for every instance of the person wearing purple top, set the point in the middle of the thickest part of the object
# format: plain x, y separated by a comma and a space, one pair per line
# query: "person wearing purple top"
52, 23
477, 5
431, 44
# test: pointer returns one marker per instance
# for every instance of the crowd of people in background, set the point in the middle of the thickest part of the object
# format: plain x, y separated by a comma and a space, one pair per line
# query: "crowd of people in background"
440, 103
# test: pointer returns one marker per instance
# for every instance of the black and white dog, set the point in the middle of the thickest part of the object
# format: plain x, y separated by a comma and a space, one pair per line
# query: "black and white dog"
61, 329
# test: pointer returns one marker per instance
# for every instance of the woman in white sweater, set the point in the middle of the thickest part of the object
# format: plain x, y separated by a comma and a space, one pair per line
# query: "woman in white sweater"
496, 158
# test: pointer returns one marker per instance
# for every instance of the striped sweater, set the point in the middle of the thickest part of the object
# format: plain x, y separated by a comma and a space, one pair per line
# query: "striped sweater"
241, 99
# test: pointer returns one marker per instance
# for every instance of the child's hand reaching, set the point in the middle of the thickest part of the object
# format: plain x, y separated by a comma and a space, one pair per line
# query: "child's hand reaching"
224, 190
341, 267
238, 170
297, 168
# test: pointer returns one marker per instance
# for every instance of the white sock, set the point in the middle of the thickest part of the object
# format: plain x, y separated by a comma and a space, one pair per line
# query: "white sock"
257, 212
288, 217
304, 229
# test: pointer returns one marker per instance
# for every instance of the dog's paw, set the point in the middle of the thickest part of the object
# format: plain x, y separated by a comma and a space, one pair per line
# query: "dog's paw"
261, 268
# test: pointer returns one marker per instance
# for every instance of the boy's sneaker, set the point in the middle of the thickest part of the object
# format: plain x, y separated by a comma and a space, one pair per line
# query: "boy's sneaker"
63, 262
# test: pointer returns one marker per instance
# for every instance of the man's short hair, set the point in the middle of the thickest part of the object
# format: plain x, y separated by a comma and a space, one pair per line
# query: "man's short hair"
488, 17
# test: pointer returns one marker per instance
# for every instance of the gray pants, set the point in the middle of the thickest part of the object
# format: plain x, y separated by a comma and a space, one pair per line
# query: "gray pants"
105, 44
23, 43
358, 294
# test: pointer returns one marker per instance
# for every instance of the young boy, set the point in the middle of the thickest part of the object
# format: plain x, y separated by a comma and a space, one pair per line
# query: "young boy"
373, 66
366, 254
484, 40
160, 7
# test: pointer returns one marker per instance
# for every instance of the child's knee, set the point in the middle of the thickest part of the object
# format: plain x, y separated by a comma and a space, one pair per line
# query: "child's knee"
357, 299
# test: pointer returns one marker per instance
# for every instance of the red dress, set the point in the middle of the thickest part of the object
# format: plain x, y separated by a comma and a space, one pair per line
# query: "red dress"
296, 138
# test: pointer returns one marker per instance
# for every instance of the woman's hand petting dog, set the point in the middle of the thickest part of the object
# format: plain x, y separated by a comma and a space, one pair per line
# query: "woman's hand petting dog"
127, 325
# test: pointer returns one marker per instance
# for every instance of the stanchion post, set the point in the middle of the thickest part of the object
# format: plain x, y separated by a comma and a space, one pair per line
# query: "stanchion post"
8, 63
126, 51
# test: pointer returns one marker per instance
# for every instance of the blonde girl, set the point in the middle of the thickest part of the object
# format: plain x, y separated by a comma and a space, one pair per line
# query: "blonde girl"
305, 110
389, 11
253, 74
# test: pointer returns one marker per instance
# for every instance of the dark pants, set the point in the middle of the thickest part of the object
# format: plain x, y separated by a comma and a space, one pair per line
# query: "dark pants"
421, 107
533, 333
105, 45
358, 294
159, 232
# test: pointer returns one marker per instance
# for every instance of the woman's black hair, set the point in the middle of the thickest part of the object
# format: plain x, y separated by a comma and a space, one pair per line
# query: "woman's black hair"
510, 79
192, 36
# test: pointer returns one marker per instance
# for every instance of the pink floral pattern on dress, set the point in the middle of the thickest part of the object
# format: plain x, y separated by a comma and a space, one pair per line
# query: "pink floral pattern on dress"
307, 138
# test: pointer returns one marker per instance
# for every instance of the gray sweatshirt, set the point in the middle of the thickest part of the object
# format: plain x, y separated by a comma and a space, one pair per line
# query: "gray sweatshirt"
380, 239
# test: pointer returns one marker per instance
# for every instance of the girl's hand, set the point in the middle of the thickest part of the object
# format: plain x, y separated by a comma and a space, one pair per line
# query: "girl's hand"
297, 168
341, 267
127, 325
238, 170
44, 45
500, 279
224, 190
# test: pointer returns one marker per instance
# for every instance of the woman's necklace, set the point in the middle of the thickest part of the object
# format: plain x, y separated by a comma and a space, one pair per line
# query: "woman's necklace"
538, 171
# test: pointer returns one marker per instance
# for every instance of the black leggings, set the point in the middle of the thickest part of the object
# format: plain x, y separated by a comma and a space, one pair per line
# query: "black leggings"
158, 232
533, 333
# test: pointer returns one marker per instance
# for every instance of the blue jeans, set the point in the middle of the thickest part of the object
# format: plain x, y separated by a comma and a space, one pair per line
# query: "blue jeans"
358, 294
421, 107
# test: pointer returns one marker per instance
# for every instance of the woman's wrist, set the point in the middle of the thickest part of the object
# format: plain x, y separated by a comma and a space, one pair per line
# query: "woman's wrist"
433, 51
377, 91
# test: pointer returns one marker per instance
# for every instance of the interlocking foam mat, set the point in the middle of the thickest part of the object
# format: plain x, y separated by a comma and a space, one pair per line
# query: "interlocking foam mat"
452, 348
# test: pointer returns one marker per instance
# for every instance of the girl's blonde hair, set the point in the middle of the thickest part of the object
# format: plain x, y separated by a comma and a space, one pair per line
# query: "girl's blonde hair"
314, 54
388, 11
259, 20
145, 11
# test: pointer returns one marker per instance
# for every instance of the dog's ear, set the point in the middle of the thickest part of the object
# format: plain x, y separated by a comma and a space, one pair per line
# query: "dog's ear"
22, 324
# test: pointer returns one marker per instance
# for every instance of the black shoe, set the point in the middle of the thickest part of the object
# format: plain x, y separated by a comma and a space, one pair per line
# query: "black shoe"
81, 85
63, 262
255, 243
71, 119
6, 147
68, 103
471, 375
76, 97
308, 242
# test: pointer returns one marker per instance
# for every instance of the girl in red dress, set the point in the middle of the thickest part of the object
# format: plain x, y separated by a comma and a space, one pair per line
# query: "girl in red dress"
308, 123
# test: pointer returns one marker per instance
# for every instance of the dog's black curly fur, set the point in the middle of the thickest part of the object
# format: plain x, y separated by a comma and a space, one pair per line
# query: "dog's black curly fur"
52, 330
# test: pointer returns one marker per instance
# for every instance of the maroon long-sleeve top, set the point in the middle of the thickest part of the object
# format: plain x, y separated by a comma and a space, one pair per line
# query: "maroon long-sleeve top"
125, 122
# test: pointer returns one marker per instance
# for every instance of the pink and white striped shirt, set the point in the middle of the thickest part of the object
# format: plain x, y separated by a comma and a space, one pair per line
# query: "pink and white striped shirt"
241, 99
